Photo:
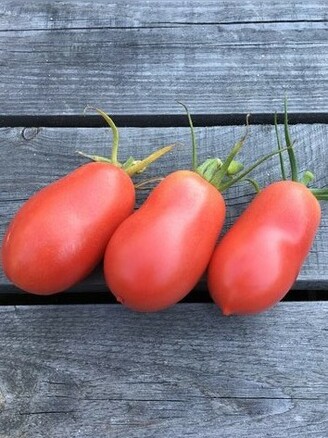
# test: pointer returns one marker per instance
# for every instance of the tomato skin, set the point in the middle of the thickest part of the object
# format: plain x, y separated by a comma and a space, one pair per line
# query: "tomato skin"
259, 258
60, 234
158, 254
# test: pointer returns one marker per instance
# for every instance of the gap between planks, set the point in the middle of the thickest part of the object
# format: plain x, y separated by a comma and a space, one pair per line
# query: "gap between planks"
158, 120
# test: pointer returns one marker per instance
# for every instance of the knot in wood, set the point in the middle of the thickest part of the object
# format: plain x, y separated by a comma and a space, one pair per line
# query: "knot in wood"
29, 133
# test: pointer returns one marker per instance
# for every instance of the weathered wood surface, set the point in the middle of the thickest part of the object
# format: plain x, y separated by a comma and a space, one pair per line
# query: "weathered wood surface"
137, 57
75, 14
31, 158
102, 371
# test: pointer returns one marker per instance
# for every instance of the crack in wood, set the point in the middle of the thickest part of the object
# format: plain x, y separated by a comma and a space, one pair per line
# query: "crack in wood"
165, 25
183, 400
238, 22
46, 412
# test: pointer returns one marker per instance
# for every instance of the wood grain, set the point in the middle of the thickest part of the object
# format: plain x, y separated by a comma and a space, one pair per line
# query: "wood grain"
76, 14
31, 158
88, 371
85, 371
140, 57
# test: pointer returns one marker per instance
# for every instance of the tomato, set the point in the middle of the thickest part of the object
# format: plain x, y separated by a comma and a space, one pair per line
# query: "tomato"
60, 234
158, 254
259, 258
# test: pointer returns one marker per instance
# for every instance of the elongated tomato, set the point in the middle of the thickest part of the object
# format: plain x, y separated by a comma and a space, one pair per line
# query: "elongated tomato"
60, 233
158, 254
258, 260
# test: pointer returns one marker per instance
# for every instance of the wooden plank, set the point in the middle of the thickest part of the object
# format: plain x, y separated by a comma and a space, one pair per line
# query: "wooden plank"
88, 371
76, 14
139, 57
31, 158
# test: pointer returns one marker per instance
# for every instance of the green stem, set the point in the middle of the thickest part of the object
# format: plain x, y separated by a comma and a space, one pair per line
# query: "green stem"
320, 194
143, 184
96, 158
219, 176
282, 166
114, 155
307, 178
193, 138
254, 184
130, 166
289, 144
242, 175
139, 166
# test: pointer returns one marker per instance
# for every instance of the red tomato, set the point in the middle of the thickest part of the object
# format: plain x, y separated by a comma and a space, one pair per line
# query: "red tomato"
158, 254
258, 260
60, 234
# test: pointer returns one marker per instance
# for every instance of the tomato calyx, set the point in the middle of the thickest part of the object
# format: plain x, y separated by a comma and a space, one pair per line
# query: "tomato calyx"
131, 166
211, 169
308, 176
214, 170
220, 173
223, 174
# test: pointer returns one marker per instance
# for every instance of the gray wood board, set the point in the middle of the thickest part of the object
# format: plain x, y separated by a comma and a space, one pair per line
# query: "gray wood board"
136, 57
31, 158
76, 14
86, 371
